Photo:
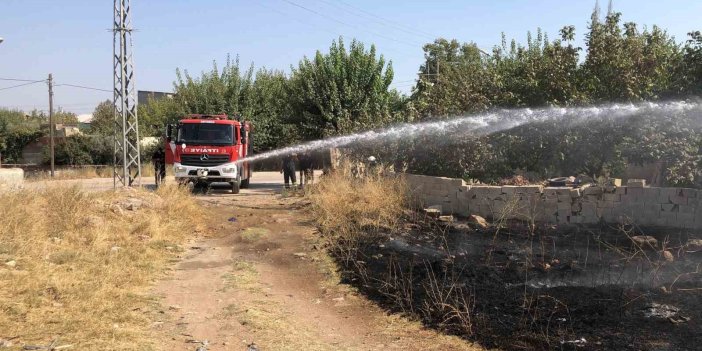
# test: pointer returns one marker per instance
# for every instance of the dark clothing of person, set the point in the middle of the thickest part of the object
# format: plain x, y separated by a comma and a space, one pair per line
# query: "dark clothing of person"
289, 170
306, 169
159, 161
306, 162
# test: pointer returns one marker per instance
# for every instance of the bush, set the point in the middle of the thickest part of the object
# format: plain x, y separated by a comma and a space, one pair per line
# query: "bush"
82, 150
346, 208
597, 147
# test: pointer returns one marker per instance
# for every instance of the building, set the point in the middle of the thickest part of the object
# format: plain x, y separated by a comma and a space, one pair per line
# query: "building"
143, 96
66, 130
33, 153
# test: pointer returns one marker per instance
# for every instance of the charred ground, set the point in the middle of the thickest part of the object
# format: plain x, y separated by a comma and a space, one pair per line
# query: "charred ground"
518, 288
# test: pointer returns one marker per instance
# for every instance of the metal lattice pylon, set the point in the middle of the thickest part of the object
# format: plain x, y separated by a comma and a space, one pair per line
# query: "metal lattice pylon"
127, 160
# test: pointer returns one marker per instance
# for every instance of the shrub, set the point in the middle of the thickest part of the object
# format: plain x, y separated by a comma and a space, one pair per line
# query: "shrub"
346, 208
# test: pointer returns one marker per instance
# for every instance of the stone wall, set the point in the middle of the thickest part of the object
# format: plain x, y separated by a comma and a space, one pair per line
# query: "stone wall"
646, 206
13, 177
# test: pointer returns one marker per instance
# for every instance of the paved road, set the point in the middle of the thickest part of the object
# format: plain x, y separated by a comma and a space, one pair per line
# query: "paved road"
260, 182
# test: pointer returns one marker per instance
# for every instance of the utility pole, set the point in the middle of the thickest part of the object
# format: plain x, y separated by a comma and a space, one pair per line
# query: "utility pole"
51, 121
127, 159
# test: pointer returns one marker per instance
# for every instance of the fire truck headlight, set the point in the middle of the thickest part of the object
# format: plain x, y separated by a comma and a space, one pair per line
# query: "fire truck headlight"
229, 170
180, 169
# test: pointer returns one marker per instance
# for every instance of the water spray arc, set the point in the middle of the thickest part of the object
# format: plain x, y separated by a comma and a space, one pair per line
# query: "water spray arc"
491, 122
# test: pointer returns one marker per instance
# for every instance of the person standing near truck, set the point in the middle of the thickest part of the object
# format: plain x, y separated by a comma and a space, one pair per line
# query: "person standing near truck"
288, 170
306, 169
158, 159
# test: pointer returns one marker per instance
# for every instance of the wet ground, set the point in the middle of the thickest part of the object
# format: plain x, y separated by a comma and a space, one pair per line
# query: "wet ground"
543, 289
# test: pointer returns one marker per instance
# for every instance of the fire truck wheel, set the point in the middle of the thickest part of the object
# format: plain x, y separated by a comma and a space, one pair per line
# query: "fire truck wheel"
236, 185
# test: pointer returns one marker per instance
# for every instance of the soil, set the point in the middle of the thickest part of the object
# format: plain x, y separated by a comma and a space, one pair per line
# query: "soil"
551, 288
261, 276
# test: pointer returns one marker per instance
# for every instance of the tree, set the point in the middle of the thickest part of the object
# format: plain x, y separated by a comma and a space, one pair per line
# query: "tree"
688, 77
16, 131
454, 80
155, 114
341, 91
103, 122
624, 64
214, 92
65, 117
269, 110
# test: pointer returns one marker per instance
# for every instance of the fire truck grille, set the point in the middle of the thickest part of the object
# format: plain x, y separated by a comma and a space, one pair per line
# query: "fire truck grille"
200, 161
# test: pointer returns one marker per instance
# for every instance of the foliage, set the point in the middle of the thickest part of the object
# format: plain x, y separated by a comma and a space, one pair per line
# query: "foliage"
82, 150
346, 89
226, 91
260, 98
16, 131
103, 121
689, 72
338, 92
621, 64
156, 114
341, 92
269, 111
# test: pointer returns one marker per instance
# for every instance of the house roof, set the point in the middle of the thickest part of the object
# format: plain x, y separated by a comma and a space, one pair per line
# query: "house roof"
85, 118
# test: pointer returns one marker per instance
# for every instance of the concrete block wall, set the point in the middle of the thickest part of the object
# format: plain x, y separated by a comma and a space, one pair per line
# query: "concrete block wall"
13, 177
666, 207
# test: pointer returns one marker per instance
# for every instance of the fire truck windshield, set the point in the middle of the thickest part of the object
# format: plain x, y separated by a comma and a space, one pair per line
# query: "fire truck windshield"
206, 134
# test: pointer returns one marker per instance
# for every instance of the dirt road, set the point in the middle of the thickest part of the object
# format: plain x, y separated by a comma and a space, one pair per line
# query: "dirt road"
258, 275
262, 180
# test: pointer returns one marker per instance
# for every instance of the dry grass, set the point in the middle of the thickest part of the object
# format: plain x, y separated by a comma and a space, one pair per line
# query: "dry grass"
350, 211
345, 207
253, 234
83, 263
243, 276
88, 172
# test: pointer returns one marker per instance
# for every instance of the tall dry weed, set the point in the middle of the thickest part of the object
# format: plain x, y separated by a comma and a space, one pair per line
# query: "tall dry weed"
345, 206
88, 172
76, 266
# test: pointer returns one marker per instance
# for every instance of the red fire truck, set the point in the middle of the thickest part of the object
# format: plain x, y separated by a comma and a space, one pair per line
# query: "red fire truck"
208, 149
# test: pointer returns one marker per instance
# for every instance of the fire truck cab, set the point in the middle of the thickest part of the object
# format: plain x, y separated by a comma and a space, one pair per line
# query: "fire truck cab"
209, 149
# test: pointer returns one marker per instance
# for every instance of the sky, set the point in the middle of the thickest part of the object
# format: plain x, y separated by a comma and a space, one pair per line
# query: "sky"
72, 39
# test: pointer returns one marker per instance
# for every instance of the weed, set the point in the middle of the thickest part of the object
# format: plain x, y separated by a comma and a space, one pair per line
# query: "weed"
243, 276
82, 267
253, 234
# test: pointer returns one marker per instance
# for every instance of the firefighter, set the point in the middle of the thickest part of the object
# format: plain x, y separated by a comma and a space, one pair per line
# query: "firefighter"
288, 170
158, 159
372, 166
306, 169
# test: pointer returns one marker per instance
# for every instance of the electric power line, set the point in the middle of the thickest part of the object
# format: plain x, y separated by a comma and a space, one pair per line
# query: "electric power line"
20, 80
82, 87
21, 85
390, 21
316, 26
393, 23
347, 24
383, 21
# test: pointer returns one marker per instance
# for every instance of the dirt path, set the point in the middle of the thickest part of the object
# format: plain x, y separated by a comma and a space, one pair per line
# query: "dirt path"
260, 278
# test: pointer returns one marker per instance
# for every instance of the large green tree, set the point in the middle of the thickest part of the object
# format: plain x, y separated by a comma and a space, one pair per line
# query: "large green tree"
227, 90
341, 91
103, 121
